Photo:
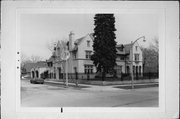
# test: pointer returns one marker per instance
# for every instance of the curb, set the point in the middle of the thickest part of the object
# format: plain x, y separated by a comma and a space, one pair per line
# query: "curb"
91, 85
61, 83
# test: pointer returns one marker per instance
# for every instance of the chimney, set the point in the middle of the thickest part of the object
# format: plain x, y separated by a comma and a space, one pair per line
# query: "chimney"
71, 40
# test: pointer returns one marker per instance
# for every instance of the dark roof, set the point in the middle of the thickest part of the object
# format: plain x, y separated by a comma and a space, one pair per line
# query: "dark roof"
127, 48
119, 49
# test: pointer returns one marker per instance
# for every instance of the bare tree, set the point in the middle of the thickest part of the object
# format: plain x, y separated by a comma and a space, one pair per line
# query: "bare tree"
53, 43
24, 59
32, 59
61, 48
50, 46
151, 57
35, 59
155, 44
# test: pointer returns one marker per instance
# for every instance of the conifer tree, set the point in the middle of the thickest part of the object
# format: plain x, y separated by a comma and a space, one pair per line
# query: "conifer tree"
104, 44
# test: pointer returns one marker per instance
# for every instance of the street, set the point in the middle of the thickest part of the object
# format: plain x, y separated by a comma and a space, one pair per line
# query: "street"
54, 95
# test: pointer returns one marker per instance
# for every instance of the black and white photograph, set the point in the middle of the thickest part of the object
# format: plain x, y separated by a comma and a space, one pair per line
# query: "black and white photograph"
89, 59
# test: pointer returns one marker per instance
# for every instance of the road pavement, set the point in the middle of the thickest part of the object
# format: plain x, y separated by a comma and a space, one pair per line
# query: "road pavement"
56, 95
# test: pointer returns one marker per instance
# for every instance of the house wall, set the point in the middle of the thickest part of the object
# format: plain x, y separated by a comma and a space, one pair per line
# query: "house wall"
138, 51
82, 47
81, 60
121, 63
40, 70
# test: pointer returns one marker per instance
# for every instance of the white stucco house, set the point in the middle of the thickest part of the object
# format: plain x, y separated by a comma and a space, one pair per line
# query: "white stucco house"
39, 70
81, 50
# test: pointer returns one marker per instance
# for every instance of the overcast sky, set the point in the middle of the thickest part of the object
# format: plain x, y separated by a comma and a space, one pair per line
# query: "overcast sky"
39, 30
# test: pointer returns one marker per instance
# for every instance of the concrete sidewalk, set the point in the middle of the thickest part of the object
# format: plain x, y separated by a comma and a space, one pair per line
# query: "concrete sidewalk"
105, 83
96, 87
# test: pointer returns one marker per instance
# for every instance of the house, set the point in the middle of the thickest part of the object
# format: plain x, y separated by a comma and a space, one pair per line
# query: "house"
125, 59
81, 50
39, 69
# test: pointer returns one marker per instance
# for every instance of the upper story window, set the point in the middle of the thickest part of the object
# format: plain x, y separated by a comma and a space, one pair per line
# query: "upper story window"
136, 57
50, 64
122, 58
88, 43
75, 55
88, 54
121, 48
136, 48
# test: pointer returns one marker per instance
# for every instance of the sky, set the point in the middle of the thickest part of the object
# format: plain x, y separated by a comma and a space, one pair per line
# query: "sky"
39, 30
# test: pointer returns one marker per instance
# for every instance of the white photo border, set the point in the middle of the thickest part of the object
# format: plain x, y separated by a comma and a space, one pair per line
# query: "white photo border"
126, 8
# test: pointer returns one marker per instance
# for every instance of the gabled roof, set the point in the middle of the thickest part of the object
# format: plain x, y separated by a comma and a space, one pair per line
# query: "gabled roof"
119, 49
78, 41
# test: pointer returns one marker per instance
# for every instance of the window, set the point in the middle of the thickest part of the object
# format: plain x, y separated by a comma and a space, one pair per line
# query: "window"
134, 69
88, 43
139, 70
49, 64
122, 58
75, 55
127, 69
121, 48
88, 54
88, 69
136, 48
118, 69
75, 69
136, 57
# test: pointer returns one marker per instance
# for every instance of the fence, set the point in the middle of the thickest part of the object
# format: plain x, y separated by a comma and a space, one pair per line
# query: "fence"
148, 75
96, 77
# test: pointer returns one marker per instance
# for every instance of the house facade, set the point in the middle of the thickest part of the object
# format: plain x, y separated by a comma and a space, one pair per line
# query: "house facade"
79, 62
80, 51
39, 70
129, 58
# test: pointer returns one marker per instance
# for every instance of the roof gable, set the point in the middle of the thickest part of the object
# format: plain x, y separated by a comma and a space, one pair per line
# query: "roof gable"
79, 40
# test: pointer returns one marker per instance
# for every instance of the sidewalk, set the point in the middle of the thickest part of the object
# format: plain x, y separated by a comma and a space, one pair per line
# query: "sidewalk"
86, 86
105, 83
104, 87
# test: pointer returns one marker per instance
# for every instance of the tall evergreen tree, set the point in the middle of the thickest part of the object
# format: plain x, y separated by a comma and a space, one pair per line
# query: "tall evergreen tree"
104, 46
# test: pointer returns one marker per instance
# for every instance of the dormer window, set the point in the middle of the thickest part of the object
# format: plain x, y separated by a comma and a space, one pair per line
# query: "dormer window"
88, 43
121, 48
